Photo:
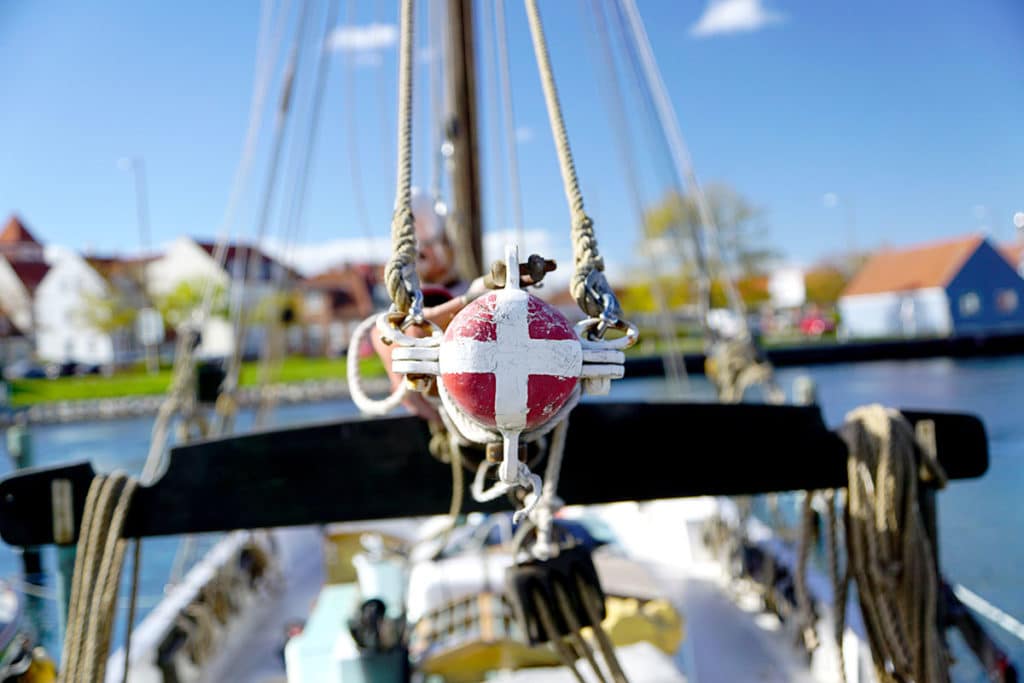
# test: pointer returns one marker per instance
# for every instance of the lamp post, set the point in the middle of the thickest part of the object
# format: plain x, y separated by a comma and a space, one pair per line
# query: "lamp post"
138, 168
146, 326
831, 200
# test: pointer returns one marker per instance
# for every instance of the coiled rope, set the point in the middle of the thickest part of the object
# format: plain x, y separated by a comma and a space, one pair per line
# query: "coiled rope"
97, 577
400, 272
586, 258
889, 553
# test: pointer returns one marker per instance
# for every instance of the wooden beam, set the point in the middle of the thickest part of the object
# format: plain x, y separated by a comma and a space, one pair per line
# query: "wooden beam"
379, 468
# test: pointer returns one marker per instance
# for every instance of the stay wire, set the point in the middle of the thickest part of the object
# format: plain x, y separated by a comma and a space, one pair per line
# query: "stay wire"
675, 367
511, 142
351, 123
494, 127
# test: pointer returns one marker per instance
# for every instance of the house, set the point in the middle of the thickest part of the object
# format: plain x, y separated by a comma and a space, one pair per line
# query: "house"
14, 345
22, 267
126, 295
190, 265
951, 287
1013, 252
335, 301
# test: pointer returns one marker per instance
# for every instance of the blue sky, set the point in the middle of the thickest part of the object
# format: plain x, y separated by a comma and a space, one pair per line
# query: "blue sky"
911, 113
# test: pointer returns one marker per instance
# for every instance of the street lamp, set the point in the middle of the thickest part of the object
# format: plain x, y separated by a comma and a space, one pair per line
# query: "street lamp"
138, 168
831, 200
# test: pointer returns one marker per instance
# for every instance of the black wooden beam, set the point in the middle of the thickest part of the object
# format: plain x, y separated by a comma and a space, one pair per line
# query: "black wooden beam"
374, 469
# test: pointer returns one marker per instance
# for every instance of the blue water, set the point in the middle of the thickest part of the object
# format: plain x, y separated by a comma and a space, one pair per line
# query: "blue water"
980, 521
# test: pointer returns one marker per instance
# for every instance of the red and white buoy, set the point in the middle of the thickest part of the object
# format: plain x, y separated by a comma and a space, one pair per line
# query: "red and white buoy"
509, 365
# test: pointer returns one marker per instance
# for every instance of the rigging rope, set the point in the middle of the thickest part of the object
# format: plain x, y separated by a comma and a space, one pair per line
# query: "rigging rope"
586, 257
672, 358
400, 272
677, 147
250, 266
889, 553
355, 165
488, 38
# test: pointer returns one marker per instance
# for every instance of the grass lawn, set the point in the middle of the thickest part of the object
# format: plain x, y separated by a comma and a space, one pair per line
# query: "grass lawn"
25, 392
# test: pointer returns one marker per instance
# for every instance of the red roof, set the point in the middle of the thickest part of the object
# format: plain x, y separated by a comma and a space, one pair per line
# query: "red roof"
15, 232
899, 270
243, 251
1013, 252
31, 273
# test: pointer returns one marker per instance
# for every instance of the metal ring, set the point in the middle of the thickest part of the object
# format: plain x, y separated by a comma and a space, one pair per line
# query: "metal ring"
584, 328
390, 333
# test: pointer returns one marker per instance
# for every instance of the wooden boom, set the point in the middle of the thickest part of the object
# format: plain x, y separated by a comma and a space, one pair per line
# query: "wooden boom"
360, 469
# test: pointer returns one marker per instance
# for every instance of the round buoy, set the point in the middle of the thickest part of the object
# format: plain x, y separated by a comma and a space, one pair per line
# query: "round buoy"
510, 360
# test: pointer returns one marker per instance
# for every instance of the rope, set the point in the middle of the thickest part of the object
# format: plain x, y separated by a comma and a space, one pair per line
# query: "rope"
890, 555
805, 607
547, 620
96, 581
592, 605
363, 401
586, 258
681, 160
401, 268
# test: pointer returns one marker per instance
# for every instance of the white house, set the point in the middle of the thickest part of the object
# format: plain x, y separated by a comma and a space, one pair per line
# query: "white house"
60, 299
191, 262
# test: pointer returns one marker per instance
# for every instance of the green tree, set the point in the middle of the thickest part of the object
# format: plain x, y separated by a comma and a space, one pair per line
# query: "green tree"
741, 229
107, 313
178, 304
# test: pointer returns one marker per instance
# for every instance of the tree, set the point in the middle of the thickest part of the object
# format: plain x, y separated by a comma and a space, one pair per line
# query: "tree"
106, 313
823, 285
178, 304
741, 230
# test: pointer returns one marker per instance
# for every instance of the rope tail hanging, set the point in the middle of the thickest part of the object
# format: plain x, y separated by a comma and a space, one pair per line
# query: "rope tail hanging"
97, 578
888, 549
400, 273
586, 258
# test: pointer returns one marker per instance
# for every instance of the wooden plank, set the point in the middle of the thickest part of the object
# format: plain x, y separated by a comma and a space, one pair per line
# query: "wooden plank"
374, 469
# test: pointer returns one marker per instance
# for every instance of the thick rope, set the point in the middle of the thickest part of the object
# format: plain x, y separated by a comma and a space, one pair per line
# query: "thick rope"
586, 258
401, 268
889, 551
97, 576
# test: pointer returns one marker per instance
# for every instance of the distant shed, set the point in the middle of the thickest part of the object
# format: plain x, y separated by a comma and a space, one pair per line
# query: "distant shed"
958, 286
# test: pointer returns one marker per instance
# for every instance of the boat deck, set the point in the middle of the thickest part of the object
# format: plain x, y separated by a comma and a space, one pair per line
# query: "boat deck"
726, 640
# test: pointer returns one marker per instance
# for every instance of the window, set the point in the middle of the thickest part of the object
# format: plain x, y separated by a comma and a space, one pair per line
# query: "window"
970, 304
1006, 300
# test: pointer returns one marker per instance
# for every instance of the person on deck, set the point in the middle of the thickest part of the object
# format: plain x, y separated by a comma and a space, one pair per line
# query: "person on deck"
444, 293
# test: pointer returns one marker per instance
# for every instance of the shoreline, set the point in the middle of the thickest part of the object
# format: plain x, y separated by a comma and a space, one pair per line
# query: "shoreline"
962, 346
86, 410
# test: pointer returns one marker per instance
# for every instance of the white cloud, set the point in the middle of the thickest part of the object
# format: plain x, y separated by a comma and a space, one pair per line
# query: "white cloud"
364, 38
734, 16
524, 134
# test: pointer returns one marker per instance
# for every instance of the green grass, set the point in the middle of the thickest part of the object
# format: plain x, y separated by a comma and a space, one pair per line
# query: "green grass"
138, 382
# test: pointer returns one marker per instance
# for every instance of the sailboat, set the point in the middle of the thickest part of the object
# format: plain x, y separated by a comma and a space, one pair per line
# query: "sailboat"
670, 554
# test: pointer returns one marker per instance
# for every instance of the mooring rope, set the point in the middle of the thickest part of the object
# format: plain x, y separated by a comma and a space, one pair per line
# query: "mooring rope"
96, 581
889, 553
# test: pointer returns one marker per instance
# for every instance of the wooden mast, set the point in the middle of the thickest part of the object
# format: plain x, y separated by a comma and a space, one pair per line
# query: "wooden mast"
461, 131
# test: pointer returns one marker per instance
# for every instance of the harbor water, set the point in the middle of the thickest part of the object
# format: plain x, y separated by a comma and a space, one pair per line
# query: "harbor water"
980, 521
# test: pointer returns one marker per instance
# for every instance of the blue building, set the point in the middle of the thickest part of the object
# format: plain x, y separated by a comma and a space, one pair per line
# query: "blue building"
953, 287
